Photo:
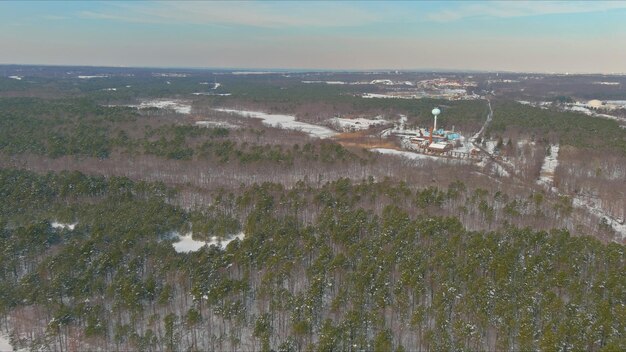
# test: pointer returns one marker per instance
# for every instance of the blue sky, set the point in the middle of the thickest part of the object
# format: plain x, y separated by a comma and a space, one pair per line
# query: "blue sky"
509, 35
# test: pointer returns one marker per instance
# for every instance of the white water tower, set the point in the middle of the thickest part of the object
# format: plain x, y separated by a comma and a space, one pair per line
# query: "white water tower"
435, 112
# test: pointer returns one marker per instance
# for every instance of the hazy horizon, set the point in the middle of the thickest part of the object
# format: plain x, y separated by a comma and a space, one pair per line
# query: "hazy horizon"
534, 37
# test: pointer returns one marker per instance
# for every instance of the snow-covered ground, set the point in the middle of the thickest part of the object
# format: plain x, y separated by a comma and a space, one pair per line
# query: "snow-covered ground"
178, 106
356, 124
387, 96
5, 345
490, 146
499, 170
464, 146
16, 78
326, 82
594, 208
94, 76
416, 156
212, 94
607, 83
187, 244
254, 73
403, 120
550, 162
60, 225
284, 121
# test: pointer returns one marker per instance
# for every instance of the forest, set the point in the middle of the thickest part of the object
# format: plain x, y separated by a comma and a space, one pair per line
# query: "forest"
299, 243
348, 279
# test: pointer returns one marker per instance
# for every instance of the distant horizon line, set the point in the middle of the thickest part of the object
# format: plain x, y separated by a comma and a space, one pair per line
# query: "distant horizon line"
319, 70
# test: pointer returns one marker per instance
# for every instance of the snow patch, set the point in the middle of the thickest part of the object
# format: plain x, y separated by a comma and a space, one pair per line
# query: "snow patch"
595, 209
499, 170
212, 94
284, 121
326, 82
178, 106
187, 244
62, 226
357, 123
5, 345
94, 76
253, 73
386, 96
412, 156
550, 162
216, 124
177, 75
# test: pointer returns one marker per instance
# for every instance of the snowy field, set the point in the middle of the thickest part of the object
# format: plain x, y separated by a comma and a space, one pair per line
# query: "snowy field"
187, 244
284, 121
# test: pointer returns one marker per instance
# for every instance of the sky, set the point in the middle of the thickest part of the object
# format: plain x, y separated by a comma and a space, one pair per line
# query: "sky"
533, 36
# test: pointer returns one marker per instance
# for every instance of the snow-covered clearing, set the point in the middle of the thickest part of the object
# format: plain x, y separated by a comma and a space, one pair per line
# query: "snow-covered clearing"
16, 78
550, 162
60, 225
357, 123
284, 121
187, 244
178, 106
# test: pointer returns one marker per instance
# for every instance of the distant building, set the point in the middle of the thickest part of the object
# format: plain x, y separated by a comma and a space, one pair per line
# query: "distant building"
439, 147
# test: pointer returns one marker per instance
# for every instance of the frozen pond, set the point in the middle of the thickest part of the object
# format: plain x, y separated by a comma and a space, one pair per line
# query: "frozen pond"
285, 121
187, 244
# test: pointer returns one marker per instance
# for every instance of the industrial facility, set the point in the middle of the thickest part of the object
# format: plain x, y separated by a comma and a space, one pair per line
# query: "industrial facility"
433, 139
